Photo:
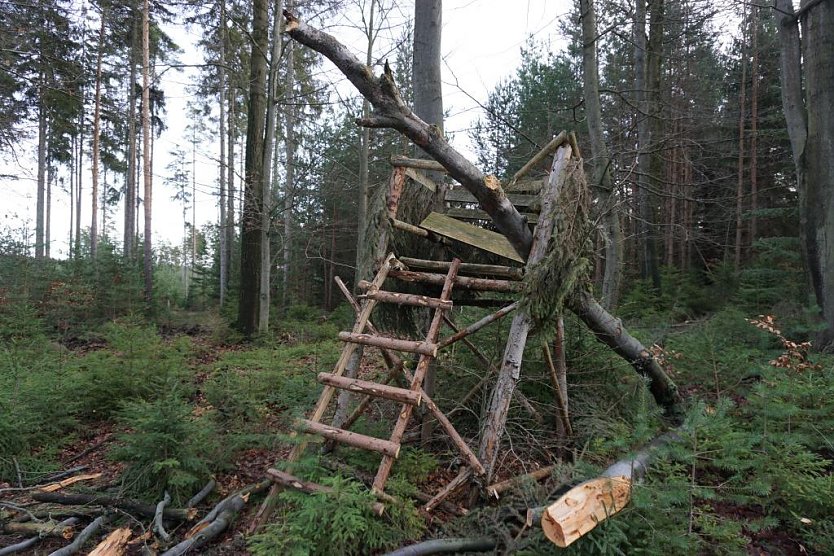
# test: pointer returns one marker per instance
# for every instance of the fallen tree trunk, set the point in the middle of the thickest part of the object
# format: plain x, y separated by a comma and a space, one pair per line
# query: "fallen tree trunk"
29, 543
391, 112
586, 505
446, 546
132, 506
40, 528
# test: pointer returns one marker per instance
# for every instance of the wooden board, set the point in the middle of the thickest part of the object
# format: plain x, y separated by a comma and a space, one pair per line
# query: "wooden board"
527, 185
421, 178
487, 240
477, 214
518, 199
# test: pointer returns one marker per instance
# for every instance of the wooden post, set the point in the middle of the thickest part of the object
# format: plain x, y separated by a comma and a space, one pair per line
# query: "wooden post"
510, 371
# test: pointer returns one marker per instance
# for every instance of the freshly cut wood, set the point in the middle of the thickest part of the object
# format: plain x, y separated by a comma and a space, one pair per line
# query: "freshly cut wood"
462, 477
421, 178
115, 544
540, 156
411, 346
486, 240
131, 506
464, 282
477, 214
586, 505
41, 528
509, 272
418, 163
518, 199
413, 300
537, 475
475, 326
372, 389
385, 447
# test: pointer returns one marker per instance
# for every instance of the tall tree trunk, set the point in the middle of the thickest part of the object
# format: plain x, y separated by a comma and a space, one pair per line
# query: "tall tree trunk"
647, 105
224, 261
742, 119
810, 128
363, 262
290, 174
41, 194
96, 142
146, 153
253, 205
79, 166
603, 182
132, 154
754, 124
269, 148
229, 229
47, 229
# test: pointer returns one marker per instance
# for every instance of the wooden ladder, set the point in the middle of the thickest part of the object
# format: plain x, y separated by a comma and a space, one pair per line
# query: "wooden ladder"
409, 398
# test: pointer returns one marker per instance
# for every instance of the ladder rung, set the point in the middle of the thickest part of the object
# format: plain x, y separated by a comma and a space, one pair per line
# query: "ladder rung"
371, 388
385, 447
406, 298
412, 346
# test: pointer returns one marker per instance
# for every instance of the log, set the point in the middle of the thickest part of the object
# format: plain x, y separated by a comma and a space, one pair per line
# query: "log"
537, 475
40, 528
391, 112
446, 546
417, 231
218, 519
586, 505
158, 526
412, 346
200, 496
413, 300
465, 282
82, 537
422, 179
126, 504
401, 161
457, 440
115, 544
371, 389
29, 543
385, 447
540, 156
286, 479
561, 399
508, 272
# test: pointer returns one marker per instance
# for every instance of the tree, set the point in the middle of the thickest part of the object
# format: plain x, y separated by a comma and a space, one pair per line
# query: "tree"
253, 206
810, 122
146, 152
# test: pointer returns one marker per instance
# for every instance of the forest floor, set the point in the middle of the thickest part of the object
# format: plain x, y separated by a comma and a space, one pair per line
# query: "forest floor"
147, 408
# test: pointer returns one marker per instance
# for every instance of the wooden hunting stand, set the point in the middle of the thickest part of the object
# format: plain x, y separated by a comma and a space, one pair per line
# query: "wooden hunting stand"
481, 200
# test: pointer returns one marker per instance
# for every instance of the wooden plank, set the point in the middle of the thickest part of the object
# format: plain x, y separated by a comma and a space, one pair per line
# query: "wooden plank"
486, 240
421, 178
529, 185
460, 195
477, 214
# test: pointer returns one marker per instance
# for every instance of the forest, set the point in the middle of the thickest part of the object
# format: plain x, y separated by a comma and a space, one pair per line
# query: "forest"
275, 278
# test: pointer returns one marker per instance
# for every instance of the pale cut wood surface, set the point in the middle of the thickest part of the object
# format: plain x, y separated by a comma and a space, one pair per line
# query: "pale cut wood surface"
583, 507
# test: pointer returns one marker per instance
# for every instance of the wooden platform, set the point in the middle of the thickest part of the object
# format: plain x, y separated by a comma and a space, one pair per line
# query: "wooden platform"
486, 240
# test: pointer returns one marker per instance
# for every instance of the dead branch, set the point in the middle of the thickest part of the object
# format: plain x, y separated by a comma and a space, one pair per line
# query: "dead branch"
29, 543
446, 546
200, 496
126, 504
82, 537
158, 526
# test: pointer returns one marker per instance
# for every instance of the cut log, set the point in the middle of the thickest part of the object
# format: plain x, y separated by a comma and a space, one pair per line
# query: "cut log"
399, 160
385, 447
115, 544
372, 389
586, 505
486, 240
411, 346
417, 231
468, 269
29, 543
464, 282
413, 300
540, 156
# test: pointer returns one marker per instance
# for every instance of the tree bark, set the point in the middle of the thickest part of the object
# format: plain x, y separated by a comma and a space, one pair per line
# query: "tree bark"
96, 141
221, 98
146, 154
269, 148
754, 127
363, 269
742, 118
810, 127
253, 207
39, 219
603, 182
290, 144
130, 177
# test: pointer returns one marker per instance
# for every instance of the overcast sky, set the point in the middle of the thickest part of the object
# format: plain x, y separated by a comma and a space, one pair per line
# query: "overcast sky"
481, 45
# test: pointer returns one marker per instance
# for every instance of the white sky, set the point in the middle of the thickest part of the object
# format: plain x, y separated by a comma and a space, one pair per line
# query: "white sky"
481, 45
